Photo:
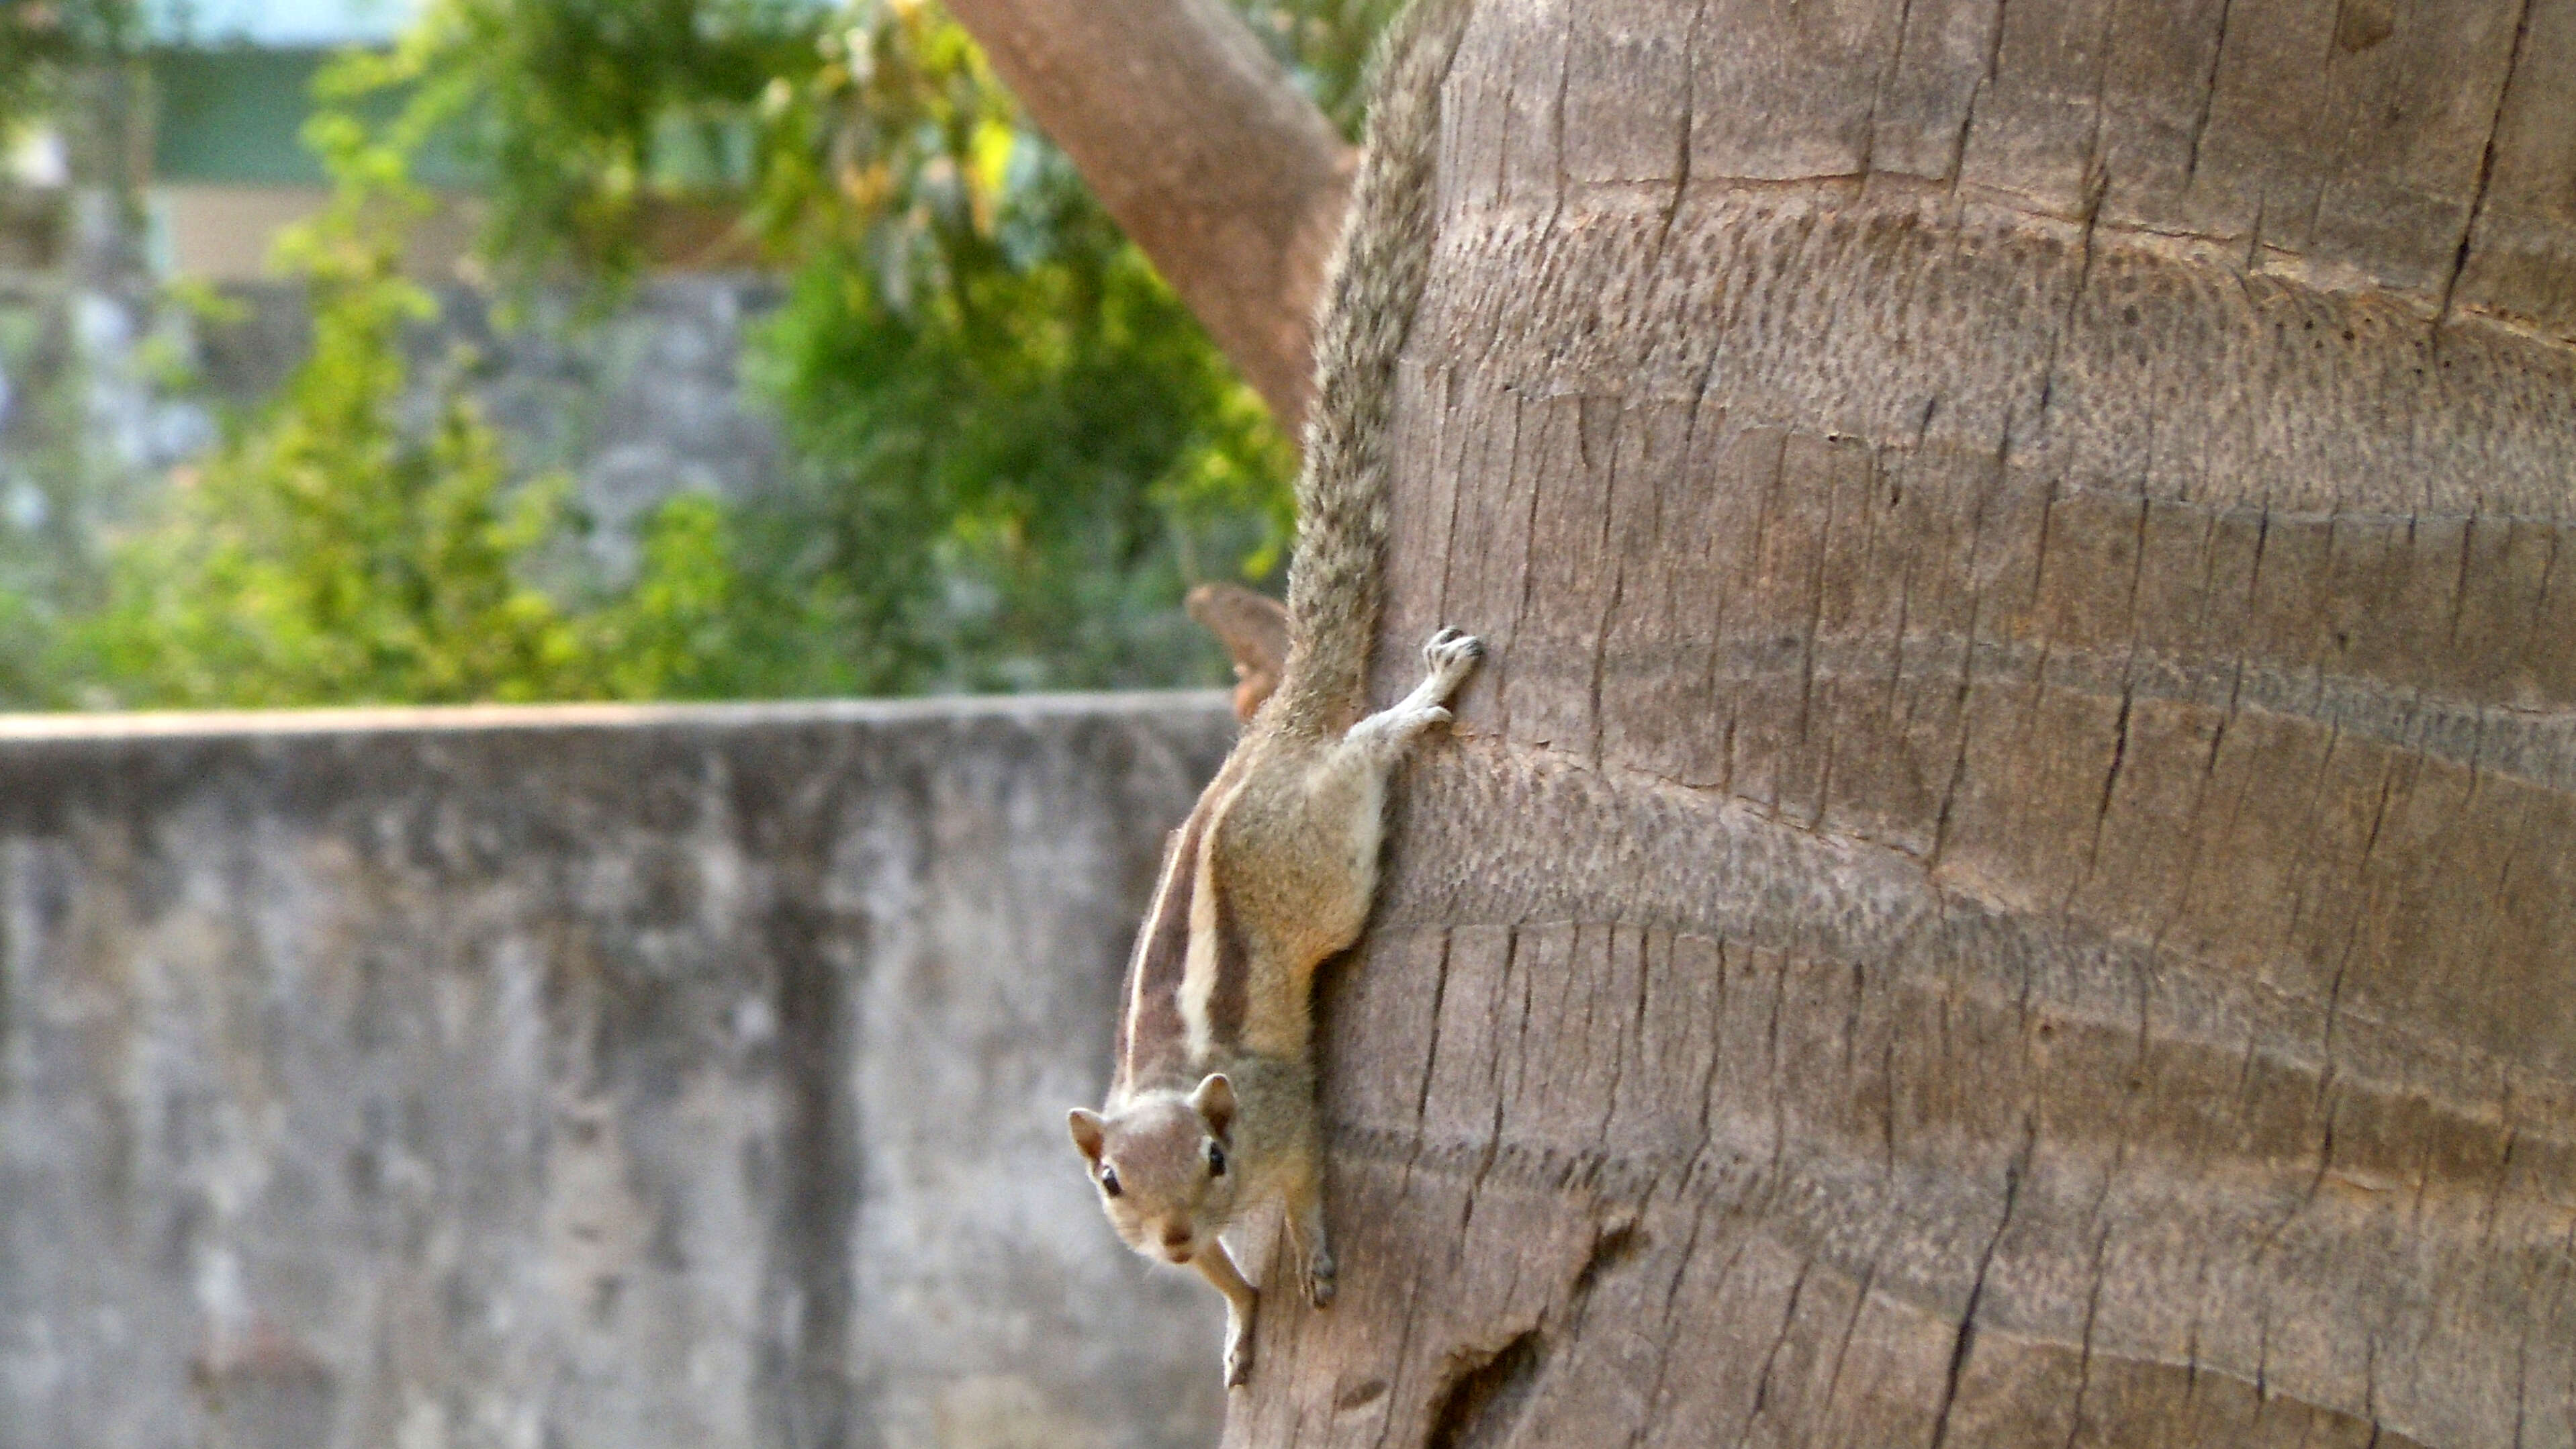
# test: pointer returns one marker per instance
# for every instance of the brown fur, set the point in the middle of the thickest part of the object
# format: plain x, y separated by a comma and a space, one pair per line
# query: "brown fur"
1254, 630
1274, 871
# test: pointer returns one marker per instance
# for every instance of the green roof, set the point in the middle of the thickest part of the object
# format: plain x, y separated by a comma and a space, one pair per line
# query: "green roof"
236, 115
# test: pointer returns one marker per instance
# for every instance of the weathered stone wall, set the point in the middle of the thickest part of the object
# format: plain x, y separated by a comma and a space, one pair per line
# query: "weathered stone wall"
580, 1077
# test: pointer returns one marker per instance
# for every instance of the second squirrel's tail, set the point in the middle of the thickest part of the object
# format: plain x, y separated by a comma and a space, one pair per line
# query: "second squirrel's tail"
1373, 289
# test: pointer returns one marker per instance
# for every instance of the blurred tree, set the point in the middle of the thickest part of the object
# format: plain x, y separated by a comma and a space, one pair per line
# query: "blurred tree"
329, 552
576, 115
1016, 447
64, 351
45, 43
1020, 444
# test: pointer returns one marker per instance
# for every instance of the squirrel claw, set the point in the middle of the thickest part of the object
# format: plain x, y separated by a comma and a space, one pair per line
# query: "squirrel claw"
1238, 1361
1452, 649
1320, 1283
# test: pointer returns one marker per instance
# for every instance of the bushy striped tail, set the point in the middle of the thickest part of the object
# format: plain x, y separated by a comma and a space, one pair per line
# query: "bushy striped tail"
1374, 287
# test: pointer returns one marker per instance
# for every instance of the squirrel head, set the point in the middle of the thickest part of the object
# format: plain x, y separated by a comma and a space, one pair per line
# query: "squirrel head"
1161, 1166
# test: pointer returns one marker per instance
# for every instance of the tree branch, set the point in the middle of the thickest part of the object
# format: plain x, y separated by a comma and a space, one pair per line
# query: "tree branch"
1194, 139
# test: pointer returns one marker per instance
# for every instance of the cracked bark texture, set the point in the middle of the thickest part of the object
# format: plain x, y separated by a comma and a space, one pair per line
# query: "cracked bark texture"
2009, 880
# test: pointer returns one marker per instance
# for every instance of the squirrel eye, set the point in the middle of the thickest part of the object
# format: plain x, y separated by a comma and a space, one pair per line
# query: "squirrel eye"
1109, 1181
1216, 1160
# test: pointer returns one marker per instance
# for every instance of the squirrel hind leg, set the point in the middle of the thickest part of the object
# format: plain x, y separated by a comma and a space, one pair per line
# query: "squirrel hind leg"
1447, 660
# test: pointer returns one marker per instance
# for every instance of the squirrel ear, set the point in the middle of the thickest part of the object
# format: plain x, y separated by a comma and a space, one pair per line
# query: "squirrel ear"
1089, 1132
1214, 1101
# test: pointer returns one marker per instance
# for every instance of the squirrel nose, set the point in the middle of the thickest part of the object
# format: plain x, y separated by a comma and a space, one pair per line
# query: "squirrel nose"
1176, 1244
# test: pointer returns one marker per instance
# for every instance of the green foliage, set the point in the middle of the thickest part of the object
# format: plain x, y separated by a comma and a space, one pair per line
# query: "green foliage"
574, 114
40, 568
57, 61
1013, 447
329, 552
1018, 443
713, 614
44, 42
336, 551
1009, 474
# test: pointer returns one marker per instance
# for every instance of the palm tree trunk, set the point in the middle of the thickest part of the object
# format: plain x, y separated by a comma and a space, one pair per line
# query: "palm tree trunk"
2013, 877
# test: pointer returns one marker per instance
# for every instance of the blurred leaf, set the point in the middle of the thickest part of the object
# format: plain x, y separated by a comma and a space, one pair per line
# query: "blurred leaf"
46, 43
328, 553
1013, 449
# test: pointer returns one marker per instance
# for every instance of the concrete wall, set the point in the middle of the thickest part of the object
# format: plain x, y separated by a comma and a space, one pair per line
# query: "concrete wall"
582, 1077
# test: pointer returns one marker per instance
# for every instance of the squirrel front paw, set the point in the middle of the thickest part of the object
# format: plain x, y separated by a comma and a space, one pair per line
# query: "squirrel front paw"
1319, 1279
1238, 1354
1452, 652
